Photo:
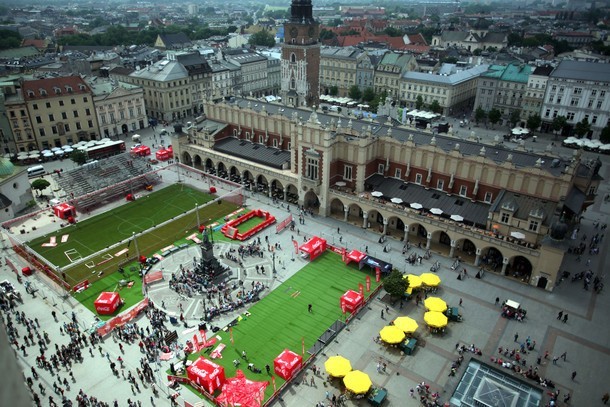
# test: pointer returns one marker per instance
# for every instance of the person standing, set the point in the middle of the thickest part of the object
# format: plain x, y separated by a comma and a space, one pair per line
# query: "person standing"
497, 301
605, 398
564, 356
516, 336
310, 308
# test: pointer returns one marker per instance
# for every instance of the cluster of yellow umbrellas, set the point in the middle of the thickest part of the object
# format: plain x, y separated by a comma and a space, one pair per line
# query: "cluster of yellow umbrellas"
435, 319
406, 324
435, 304
426, 279
355, 381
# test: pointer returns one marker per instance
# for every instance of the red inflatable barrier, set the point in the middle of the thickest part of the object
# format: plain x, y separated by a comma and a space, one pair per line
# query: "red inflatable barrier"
230, 228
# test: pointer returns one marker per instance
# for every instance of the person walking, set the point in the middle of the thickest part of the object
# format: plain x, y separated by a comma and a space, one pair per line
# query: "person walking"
497, 301
605, 398
461, 301
555, 359
573, 375
564, 356
565, 318
559, 315
516, 336
382, 314
310, 308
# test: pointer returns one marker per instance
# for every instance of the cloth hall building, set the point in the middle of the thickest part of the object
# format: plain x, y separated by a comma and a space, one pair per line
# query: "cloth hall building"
507, 210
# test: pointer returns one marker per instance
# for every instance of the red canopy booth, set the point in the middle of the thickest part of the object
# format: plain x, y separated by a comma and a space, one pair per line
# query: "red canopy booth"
313, 248
107, 303
351, 301
64, 211
287, 363
354, 255
241, 391
162, 155
141, 151
206, 374
170, 151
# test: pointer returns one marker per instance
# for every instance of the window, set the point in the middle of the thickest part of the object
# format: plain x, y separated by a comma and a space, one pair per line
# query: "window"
48, 105
347, 172
35, 106
463, 190
38, 119
505, 218
41, 132
61, 103
380, 169
570, 116
418, 178
440, 184
64, 115
90, 123
51, 118
88, 112
547, 113
533, 226
594, 120
577, 91
312, 168
73, 101
75, 113
592, 190
599, 104
488, 197
397, 173
66, 127
574, 102
54, 129
78, 127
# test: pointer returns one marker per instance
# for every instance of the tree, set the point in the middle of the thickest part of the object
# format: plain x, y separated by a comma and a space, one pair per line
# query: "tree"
263, 38
327, 34
604, 136
436, 107
558, 123
333, 91
494, 116
534, 122
582, 128
79, 157
393, 32
368, 95
514, 117
40, 184
9, 39
355, 92
419, 102
479, 114
395, 284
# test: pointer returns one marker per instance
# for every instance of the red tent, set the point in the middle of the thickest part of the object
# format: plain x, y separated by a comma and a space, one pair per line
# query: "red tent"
241, 391
314, 247
64, 211
354, 255
351, 301
141, 151
287, 363
207, 374
162, 155
107, 303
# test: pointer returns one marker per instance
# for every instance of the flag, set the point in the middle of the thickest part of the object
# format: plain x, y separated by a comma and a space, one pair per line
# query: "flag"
231, 333
273, 381
368, 284
377, 274
296, 246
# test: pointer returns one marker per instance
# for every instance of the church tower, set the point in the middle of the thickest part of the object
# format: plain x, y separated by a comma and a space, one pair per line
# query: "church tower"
301, 56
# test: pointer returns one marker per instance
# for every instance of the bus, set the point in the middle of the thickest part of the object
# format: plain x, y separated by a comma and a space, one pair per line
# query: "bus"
105, 150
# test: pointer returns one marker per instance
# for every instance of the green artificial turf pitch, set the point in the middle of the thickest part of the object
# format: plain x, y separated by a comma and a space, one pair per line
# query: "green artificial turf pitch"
250, 224
280, 320
94, 234
130, 295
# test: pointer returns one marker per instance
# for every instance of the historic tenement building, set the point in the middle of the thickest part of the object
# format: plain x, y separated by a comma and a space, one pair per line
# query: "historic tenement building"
507, 210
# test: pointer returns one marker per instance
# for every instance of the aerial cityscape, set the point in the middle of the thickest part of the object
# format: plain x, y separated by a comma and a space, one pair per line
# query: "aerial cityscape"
304, 203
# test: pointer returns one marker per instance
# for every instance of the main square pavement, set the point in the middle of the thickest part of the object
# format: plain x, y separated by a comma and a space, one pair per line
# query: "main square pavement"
585, 336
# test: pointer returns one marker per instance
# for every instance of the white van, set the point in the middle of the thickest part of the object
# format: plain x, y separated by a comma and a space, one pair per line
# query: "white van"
36, 171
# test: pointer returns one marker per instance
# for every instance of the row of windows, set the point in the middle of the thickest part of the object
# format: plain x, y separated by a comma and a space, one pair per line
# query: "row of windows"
64, 128
533, 225
64, 116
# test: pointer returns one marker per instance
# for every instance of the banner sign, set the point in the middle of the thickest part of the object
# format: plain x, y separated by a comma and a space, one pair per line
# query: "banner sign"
368, 284
361, 289
377, 274
283, 224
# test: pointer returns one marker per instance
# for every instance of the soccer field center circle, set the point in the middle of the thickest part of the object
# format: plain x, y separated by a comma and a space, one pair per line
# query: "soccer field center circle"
129, 226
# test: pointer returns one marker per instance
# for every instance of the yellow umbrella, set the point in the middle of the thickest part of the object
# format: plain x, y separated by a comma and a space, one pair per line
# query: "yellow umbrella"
431, 280
392, 334
414, 281
435, 304
406, 324
357, 382
435, 319
337, 366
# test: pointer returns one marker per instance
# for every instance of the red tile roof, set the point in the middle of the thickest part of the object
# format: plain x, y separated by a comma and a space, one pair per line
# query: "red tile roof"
54, 87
